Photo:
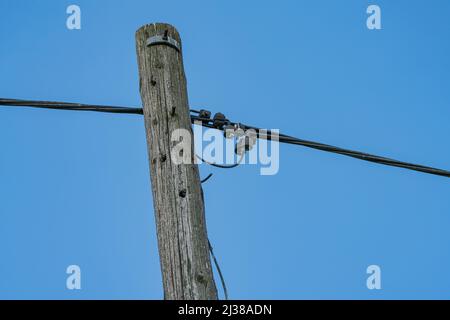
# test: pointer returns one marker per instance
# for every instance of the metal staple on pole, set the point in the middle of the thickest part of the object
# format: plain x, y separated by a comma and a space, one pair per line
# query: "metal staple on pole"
165, 40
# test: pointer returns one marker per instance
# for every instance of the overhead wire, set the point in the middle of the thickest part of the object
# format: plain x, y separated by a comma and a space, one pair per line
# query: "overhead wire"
219, 271
210, 123
222, 166
68, 106
282, 138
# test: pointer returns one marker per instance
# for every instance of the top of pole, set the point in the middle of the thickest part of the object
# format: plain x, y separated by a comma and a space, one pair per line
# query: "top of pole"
161, 34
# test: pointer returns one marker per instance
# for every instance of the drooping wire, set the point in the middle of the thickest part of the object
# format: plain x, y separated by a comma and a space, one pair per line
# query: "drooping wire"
219, 271
207, 178
282, 138
222, 166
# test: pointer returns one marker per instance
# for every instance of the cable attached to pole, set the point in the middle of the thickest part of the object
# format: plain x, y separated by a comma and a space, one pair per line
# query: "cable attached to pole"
219, 271
268, 135
222, 166
207, 178
220, 122
69, 106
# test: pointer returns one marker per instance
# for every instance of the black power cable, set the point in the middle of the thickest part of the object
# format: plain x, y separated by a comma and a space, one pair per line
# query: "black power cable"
355, 154
203, 118
219, 271
207, 178
282, 138
222, 166
68, 106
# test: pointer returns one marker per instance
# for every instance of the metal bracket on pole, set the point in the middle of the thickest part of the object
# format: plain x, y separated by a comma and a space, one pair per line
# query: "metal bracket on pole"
165, 40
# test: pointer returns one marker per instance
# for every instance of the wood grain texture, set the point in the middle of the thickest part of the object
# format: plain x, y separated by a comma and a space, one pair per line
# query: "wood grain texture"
177, 195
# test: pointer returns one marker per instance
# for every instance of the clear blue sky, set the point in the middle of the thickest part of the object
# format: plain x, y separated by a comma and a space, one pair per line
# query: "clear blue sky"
75, 187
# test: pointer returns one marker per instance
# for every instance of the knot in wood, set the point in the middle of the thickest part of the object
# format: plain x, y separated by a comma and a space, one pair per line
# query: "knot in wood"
183, 193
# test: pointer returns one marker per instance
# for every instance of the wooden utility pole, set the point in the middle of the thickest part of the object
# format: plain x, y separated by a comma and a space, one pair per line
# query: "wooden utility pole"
177, 194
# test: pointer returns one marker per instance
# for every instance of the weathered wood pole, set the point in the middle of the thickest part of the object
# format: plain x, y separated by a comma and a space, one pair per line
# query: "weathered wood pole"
177, 196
